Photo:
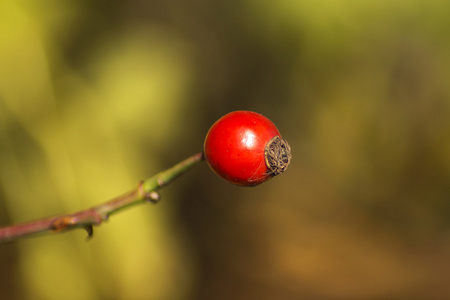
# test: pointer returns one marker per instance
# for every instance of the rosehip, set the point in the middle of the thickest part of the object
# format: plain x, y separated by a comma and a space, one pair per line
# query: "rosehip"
246, 148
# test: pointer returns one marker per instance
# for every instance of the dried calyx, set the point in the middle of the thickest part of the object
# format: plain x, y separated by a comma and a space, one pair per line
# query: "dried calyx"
277, 155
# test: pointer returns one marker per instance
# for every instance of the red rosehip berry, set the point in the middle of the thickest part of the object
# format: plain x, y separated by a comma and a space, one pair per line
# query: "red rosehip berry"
246, 148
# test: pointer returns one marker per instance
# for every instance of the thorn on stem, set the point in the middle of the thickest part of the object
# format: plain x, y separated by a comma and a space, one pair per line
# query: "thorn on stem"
90, 231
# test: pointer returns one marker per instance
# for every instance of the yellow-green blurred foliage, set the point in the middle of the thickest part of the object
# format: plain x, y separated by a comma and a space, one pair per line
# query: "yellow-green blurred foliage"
95, 96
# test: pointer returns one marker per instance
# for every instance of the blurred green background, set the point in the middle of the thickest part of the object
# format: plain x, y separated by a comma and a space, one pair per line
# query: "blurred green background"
96, 95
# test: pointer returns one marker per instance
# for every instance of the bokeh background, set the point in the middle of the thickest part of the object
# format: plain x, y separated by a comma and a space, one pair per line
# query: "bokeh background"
97, 95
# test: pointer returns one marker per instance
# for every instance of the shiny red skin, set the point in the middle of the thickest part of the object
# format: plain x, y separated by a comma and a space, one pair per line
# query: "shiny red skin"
234, 147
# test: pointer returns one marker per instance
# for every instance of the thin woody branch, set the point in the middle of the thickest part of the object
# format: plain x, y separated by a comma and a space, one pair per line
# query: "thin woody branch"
146, 191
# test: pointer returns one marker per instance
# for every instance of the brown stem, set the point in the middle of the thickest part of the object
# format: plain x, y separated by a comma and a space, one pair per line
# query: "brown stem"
146, 191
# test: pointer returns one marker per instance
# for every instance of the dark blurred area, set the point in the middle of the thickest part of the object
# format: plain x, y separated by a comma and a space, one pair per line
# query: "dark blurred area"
95, 96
